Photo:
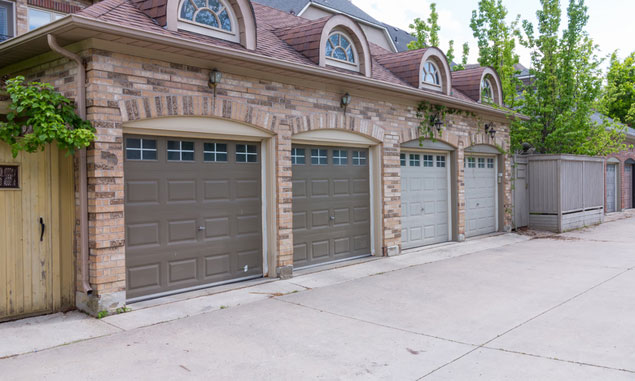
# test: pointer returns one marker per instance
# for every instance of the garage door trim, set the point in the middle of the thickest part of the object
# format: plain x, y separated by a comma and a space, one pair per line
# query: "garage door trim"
342, 138
473, 153
448, 167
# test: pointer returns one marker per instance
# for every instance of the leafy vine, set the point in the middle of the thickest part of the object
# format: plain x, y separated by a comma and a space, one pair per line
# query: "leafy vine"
39, 115
430, 115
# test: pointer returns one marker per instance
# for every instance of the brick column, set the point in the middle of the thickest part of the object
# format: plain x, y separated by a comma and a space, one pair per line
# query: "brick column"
391, 186
285, 200
460, 192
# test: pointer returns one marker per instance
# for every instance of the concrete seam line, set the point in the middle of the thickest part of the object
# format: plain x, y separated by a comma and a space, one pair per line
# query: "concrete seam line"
557, 359
531, 319
378, 324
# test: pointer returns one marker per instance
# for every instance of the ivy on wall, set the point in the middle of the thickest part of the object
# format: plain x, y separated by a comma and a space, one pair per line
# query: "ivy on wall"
39, 115
429, 114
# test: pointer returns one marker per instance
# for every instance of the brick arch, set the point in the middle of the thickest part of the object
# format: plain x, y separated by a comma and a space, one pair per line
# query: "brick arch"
482, 138
193, 105
336, 121
413, 133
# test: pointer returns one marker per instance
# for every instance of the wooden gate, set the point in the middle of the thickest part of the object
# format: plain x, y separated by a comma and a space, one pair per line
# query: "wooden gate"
36, 232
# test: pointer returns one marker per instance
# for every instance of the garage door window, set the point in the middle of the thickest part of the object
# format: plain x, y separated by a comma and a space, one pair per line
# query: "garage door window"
402, 159
415, 160
215, 152
179, 150
318, 157
481, 162
340, 157
246, 153
490, 163
298, 156
440, 161
141, 149
470, 162
359, 158
428, 161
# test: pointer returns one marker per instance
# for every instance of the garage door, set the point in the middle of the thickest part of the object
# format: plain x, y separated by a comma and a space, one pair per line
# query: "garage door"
480, 195
193, 213
331, 204
611, 188
424, 199
628, 186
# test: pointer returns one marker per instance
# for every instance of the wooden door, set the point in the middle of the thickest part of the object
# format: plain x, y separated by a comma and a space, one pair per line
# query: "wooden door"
36, 227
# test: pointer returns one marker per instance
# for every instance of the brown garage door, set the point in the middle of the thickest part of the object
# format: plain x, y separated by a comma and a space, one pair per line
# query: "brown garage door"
193, 213
331, 204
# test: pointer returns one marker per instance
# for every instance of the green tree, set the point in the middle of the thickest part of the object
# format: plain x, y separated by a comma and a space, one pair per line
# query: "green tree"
426, 33
497, 44
618, 100
39, 115
567, 83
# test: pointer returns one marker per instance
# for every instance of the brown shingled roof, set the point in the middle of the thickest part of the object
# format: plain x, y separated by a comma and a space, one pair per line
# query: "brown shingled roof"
404, 65
279, 34
468, 81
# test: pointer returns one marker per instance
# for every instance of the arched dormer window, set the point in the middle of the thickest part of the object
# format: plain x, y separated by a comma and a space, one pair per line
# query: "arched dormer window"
430, 74
341, 52
487, 90
211, 17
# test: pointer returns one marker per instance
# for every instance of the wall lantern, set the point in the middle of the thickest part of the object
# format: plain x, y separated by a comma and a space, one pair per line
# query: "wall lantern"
215, 77
489, 129
345, 101
437, 122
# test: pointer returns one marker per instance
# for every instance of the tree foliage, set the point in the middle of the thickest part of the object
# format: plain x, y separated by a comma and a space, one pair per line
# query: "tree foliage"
567, 82
426, 33
38, 115
497, 44
618, 100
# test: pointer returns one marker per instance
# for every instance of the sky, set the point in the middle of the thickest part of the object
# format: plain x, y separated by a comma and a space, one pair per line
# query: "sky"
611, 22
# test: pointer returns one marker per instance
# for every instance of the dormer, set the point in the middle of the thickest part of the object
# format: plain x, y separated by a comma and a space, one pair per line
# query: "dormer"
229, 20
336, 41
426, 68
481, 84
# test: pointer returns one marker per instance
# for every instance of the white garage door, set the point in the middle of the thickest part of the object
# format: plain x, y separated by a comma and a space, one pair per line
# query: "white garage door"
480, 195
424, 199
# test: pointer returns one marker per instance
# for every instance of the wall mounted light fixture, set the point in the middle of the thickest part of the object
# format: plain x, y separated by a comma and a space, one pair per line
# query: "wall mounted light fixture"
437, 122
215, 77
345, 101
489, 129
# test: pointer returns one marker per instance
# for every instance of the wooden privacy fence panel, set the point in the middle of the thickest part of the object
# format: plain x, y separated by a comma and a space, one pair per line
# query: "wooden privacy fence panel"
36, 234
565, 191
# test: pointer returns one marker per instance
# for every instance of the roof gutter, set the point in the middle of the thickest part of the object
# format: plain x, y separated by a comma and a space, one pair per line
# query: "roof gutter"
242, 55
80, 101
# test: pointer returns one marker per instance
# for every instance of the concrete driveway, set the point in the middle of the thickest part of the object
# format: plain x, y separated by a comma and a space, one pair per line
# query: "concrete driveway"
502, 308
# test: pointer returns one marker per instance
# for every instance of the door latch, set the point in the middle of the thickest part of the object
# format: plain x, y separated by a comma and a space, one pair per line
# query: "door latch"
42, 227
332, 218
201, 228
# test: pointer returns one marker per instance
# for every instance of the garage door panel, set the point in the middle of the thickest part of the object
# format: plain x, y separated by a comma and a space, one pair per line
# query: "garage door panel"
181, 190
145, 277
320, 188
337, 201
216, 190
424, 200
342, 245
143, 235
320, 249
361, 243
165, 248
215, 265
182, 271
142, 192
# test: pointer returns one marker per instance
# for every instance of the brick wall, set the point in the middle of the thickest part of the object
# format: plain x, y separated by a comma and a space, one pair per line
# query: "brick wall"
121, 87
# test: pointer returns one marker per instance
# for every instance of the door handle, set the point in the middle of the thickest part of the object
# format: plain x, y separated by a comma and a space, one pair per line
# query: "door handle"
332, 218
42, 227
201, 228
